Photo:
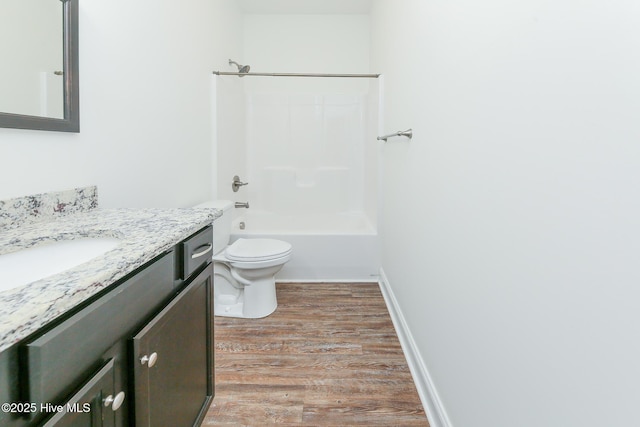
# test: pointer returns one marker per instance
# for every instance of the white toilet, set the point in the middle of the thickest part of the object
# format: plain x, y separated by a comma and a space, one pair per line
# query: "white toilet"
244, 272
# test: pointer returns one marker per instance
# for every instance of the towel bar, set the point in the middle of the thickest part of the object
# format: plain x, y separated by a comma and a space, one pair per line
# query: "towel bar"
408, 133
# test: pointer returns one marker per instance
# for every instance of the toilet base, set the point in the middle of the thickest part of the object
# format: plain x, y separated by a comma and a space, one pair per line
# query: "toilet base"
234, 307
228, 310
244, 293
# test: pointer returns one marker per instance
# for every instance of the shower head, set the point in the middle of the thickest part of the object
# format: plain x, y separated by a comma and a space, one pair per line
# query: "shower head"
242, 69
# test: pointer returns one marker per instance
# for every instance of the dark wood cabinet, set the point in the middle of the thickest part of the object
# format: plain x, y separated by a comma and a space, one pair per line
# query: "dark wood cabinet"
172, 360
55, 362
90, 366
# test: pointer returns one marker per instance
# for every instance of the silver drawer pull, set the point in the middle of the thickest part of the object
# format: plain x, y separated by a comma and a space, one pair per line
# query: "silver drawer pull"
151, 360
116, 402
207, 248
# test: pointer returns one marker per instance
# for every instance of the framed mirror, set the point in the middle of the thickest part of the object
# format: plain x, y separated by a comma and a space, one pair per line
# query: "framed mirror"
39, 76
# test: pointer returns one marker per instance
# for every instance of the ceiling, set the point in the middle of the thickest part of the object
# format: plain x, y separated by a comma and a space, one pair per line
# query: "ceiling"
306, 7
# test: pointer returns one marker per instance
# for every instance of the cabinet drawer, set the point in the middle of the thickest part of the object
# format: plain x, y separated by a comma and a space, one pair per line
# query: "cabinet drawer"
59, 359
197, 250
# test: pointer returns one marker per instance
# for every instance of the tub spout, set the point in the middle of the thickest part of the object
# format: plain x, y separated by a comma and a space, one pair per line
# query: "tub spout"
242, 205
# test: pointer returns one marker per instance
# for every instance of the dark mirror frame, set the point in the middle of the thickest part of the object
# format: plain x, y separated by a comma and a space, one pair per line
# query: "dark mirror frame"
71, 121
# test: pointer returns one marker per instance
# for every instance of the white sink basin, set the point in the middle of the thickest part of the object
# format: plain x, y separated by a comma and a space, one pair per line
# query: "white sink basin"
31, 264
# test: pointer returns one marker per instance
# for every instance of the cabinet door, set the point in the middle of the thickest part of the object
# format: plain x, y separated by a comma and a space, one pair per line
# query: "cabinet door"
173, 359
95, 404
58, 360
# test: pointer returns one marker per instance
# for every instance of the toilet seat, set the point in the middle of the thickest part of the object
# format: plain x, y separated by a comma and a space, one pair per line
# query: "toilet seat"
257, 250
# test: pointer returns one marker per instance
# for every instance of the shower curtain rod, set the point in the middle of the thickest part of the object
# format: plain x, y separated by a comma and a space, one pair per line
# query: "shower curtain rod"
225, 73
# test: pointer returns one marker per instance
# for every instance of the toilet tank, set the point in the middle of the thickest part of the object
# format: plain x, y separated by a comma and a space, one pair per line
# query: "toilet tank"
222, 225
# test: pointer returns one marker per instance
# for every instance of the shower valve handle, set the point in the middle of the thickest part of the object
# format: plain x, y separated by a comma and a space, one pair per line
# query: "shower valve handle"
236, 184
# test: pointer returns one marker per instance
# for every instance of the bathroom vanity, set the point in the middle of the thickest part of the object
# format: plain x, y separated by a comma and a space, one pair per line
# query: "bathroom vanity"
124, 339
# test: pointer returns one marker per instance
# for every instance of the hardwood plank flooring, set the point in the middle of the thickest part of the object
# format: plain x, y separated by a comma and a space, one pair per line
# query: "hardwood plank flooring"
328, 356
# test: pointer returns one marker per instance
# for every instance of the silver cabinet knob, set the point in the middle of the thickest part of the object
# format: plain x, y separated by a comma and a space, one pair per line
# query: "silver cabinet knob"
115, 402
150, 360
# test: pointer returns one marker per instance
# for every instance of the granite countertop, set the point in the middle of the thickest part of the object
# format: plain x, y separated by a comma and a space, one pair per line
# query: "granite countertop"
144, 234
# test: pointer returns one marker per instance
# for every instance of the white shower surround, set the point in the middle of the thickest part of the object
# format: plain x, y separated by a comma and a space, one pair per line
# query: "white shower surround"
306, 152
310, 185
306, 146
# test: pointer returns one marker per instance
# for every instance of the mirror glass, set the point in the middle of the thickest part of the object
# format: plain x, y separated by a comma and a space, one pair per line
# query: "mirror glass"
38, 76
31, 78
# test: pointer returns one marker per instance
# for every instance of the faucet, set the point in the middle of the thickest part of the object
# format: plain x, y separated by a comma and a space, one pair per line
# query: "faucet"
236, 184
242, 205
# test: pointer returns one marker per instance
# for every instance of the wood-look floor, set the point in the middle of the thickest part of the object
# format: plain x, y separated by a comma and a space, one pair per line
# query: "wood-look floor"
328, 356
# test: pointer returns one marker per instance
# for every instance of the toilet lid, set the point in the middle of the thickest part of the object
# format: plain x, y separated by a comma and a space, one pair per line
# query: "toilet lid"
257, 249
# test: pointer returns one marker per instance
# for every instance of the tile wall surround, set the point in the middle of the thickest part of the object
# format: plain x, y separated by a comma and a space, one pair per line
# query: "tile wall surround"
23, 210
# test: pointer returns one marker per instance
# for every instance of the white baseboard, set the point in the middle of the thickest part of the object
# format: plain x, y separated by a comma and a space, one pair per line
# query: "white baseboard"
436, 413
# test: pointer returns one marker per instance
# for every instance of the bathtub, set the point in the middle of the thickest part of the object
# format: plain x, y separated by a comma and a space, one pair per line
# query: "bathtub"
326, 247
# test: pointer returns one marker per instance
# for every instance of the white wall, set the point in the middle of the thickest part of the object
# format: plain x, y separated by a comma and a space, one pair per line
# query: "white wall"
306, 44
510, 222
145, 107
